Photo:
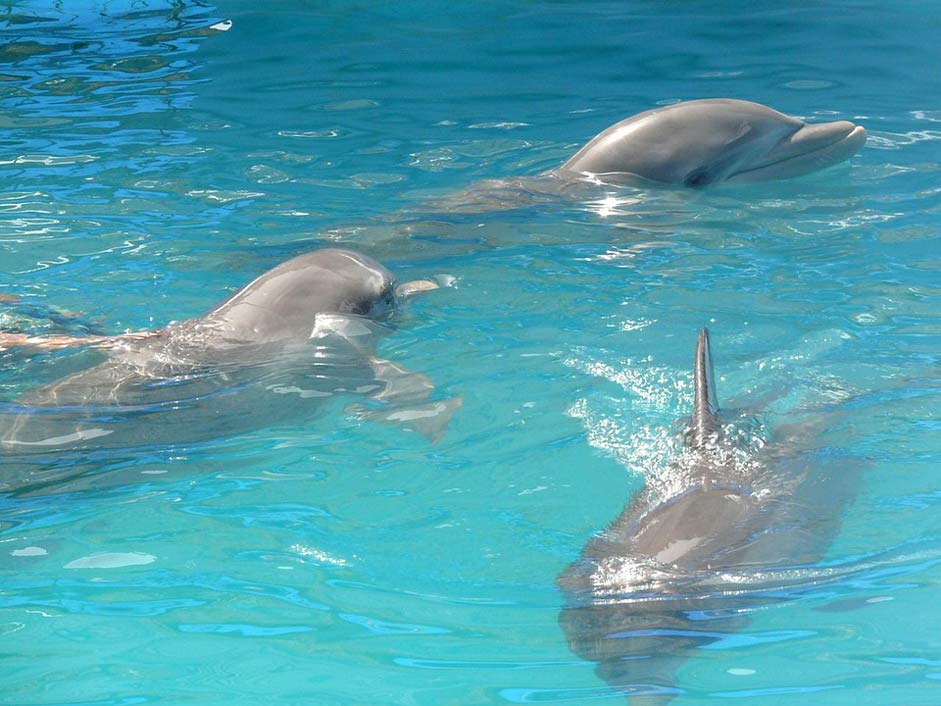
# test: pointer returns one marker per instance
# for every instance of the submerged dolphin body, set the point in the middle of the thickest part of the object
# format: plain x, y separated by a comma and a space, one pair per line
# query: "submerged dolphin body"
673, 574
702, 142
278, 349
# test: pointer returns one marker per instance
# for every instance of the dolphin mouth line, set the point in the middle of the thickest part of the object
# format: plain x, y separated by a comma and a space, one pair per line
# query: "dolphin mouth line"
854, 134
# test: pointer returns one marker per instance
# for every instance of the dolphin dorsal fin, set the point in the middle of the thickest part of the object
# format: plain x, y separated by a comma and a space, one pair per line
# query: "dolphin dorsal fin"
705, 407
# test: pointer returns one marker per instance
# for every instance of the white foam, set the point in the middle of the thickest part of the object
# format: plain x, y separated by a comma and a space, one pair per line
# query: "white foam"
318, 555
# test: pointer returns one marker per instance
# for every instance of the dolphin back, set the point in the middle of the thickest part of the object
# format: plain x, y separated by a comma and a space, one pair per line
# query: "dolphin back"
705, 424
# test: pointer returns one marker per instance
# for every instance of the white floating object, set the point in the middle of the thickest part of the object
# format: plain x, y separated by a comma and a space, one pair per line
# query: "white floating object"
29, 551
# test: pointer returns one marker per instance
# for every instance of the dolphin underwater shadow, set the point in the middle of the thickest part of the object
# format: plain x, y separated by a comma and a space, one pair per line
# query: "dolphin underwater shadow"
673, 575
278, 350
693, 143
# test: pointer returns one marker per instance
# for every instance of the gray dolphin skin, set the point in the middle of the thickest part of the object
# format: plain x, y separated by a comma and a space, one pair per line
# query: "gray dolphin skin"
277, 349
679, 570
700, 142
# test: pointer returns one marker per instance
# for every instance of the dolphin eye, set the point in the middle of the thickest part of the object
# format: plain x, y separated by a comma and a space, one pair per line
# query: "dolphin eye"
698, 177
382, 305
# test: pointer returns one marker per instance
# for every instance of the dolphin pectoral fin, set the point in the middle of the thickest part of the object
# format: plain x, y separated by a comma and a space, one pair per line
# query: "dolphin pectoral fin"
406, 396
399, 384
359, 332
430, 419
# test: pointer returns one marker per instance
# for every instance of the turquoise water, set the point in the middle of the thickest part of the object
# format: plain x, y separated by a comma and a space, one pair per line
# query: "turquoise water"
154, 157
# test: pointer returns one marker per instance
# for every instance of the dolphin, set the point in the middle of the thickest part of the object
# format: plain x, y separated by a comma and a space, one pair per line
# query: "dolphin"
694, 144
701, 142
679, 570
277, 349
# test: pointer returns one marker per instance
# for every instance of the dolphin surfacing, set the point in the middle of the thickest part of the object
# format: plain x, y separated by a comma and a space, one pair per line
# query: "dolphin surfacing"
279, 349
701, 142
671, 575
697, 143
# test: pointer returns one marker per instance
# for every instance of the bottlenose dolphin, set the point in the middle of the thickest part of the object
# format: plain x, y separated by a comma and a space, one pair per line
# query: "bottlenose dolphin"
680, 570
702, 142
693, 143
277, 349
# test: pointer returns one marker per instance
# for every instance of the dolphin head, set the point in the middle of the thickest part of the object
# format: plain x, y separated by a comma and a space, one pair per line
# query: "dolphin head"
283, 302
357, 283
709, 141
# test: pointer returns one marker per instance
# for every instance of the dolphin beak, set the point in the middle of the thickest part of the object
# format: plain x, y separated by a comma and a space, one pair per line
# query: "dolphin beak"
809, 148
415, 286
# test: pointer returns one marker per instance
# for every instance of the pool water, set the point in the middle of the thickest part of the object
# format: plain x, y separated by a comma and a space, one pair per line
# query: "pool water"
157, 155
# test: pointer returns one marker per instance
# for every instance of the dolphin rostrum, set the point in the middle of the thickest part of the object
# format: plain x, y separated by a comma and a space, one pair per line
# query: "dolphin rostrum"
278, 349
679, 569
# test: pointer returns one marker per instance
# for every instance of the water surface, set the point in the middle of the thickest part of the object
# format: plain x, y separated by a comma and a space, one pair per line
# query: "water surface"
157, 155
